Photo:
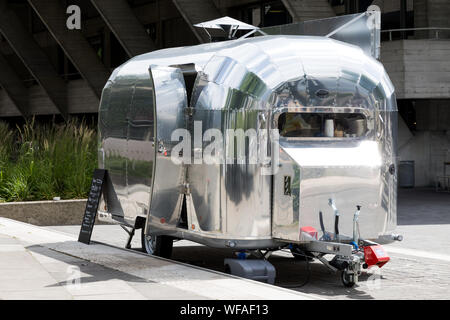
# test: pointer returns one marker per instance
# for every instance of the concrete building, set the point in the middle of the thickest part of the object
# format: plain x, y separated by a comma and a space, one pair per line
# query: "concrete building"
47, 68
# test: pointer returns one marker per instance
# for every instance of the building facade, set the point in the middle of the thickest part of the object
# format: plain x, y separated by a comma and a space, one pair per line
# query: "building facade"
56, 55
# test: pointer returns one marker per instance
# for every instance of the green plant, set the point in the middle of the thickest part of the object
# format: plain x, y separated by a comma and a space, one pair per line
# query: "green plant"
41, 161
17, 188
6, 143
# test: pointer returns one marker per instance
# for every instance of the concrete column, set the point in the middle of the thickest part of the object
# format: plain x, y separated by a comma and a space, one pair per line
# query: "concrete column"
14, 87
73, 43
33, 57
123, 23
196, 11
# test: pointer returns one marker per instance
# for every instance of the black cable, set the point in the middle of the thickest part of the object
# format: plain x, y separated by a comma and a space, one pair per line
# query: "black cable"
308, 274
336, 228
322, 226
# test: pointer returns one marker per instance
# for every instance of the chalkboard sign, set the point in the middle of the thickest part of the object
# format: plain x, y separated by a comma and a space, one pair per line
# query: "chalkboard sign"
92, 206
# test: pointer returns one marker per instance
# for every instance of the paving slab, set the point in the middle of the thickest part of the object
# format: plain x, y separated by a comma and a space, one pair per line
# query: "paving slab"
419, 266
36, 294
38, 263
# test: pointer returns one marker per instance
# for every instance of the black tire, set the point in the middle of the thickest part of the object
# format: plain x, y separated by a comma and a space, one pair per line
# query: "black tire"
160, 246
348, 280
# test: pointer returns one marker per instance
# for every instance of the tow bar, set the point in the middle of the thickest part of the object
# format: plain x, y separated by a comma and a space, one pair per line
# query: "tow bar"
351, 254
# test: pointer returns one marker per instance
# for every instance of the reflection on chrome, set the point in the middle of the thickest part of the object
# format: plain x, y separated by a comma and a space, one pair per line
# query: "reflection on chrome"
365, 153
331, 107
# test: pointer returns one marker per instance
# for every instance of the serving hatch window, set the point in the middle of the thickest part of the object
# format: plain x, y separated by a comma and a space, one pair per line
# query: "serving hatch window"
317, 125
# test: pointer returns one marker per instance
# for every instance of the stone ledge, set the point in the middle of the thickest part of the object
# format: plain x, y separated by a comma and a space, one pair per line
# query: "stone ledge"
45, 213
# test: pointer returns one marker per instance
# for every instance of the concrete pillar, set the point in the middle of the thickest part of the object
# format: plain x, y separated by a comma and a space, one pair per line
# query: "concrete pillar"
73, 43
123, 23
14, 87
34, 58
196, 11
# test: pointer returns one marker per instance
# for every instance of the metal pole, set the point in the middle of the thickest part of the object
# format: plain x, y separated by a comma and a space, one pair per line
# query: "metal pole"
403, 9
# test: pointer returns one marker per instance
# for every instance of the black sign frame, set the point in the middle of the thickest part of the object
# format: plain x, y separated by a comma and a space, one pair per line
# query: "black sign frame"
90, 213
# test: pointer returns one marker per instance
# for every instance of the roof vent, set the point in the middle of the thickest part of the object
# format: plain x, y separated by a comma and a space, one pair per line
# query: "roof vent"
230, 26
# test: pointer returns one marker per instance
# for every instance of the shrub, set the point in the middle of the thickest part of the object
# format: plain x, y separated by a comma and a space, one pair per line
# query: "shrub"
41, 161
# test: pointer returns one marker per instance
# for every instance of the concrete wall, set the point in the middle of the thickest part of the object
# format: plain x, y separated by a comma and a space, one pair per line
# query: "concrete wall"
45, 213
429, 146
304, 10
419, 69
392, 5
431, 13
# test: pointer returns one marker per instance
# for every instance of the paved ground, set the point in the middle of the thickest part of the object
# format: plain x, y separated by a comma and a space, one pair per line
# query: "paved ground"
419, 266
37, 263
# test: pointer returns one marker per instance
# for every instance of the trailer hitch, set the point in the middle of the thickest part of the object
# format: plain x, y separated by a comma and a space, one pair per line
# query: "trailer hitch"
351, 254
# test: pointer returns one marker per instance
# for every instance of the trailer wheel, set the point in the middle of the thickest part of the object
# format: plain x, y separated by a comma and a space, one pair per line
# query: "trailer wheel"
160, 246
348, 279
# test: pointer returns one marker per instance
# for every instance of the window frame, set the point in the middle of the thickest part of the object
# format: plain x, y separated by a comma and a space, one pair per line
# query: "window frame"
368, 115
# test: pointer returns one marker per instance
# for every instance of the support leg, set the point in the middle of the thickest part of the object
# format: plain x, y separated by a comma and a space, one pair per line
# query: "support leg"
130, 236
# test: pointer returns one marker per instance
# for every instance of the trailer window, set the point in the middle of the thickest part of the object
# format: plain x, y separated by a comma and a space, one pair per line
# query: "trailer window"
337, 125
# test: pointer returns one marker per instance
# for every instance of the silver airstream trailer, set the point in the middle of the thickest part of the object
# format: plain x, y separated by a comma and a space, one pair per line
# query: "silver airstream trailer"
327, 184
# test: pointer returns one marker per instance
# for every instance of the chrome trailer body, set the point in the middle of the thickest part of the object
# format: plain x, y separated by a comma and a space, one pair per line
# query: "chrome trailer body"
250, 84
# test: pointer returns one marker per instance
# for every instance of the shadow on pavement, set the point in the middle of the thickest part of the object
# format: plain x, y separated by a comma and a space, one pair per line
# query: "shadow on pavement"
290, 272
90, 272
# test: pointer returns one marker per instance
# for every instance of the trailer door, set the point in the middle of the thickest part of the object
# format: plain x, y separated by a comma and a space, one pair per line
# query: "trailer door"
170, 108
